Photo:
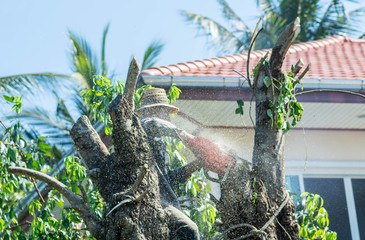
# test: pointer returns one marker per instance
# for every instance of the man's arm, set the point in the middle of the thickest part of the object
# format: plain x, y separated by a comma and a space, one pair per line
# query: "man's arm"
182, 174
207, 152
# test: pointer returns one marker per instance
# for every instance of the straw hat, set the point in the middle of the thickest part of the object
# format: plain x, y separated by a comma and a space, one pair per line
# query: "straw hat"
156, 97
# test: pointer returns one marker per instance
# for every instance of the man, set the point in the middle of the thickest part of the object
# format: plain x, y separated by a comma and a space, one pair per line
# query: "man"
155, 115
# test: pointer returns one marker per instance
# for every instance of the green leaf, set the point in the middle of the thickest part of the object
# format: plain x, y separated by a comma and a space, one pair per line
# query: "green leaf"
44, 145
45, 152
239, 110
269, 113
9, 99
267, 81
75, 188
240, 103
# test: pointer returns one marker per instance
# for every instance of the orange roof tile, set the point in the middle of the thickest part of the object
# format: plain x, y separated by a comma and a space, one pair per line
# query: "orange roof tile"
335, 57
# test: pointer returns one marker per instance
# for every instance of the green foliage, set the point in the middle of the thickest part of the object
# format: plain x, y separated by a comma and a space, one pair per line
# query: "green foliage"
313, 218
17, 103
286, 105
318, 19
174, 93
17, 150
239, 109
194, 194
99, 98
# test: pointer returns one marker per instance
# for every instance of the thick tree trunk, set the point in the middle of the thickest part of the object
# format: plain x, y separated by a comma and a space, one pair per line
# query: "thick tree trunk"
126, 179
254, 202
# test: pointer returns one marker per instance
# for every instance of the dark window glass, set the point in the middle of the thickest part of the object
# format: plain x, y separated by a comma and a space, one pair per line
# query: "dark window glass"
332, 190
358, 186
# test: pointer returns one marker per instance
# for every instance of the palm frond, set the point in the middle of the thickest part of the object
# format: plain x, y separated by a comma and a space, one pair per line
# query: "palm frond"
273, 24
151, 54
56, 129
15, 83
336, 20
227, 11
267, 6
237, 25
103, 45
84, 61
220, 37
62, 111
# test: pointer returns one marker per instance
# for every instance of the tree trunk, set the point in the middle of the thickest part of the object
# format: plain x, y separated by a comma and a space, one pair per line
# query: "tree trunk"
254, 201
126, 179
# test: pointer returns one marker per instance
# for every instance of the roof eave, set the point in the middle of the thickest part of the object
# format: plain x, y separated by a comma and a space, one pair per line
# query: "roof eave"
237, 82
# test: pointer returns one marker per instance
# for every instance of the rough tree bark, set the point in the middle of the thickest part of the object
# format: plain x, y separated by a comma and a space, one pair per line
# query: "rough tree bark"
254, 203
126, 179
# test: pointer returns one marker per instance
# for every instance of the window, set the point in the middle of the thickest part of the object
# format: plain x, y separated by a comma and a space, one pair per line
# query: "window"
332, 190
358, 186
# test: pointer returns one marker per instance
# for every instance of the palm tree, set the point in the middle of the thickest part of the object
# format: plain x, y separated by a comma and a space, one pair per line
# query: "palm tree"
235, 36
85, 65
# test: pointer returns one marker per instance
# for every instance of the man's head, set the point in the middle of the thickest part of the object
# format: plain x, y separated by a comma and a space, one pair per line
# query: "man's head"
154, 103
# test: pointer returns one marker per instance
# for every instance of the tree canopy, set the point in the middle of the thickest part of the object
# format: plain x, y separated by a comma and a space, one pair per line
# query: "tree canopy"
319, 19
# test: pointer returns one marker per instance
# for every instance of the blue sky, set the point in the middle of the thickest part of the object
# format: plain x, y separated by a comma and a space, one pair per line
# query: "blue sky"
34, 33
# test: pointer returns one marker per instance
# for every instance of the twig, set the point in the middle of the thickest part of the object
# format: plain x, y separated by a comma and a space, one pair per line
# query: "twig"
21, 224
37, 190
129, 196
138, 182
140, 197
83, 192
283, 229
253, 228
298, 66
241, 74
276, 213
3, 125
254, 36
304, 72
254, 231
331, 90
248, 56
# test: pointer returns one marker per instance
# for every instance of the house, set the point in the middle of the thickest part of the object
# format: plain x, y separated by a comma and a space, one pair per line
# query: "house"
324, 152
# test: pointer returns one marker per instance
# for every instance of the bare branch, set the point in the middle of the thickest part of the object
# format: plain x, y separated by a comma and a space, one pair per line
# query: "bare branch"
281, 47
59, 186
130, 84
93, 223
139, 180
298, 66
304, 72
83, 192
88, 143
249, 52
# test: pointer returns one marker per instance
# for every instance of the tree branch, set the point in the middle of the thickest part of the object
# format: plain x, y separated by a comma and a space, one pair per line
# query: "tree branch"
59, 186
130, 84
249, 51
88, 143
281, 47
91, 220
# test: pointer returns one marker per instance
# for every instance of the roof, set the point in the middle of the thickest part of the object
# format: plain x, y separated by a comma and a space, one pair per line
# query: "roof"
336, 57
